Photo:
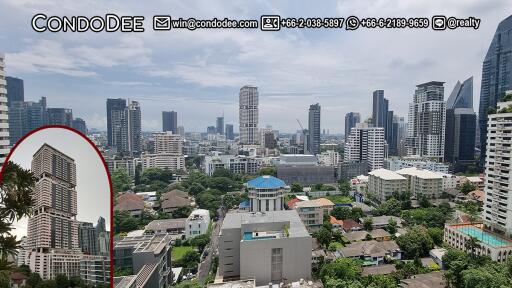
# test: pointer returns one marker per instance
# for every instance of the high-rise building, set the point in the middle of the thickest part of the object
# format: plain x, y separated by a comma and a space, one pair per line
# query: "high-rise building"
115, 113
181, 131
25, 117
220, 125
87, 238
229, 132
427, 119
351, 119
248, 115
168, 143
211, 130
497, 213
380, 109
4, 117
460, 127
170, 121
496, 76
79, 124
124, 129
60, 116
400, 134
314, 129
53, 230
15, 90
134, 128
366, 144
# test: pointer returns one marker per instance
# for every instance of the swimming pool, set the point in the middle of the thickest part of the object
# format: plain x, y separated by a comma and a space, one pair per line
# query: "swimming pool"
248, 236
483, 236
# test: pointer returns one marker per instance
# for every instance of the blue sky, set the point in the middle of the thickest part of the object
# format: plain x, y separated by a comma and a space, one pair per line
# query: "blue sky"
198, 73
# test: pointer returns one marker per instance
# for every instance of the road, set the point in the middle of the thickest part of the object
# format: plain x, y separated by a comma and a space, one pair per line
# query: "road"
205, 266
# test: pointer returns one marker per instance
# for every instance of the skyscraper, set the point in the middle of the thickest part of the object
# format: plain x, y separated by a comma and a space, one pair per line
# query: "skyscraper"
15, 90
351, 119
380, 109
60, 116
496, 76
87, 238
427, 119
124, 129
79, 124
460, 126
229, 132
170, 121
365, 144
314, 129
53, 230
134, 128
25, 117
248, 115
115, 111
220, 125
4, 120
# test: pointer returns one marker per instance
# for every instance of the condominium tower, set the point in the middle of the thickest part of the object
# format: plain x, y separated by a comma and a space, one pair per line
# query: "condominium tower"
53, 229
351, 119
248, 115
366, 144
314, 129
170, 121
427, 119
4, 118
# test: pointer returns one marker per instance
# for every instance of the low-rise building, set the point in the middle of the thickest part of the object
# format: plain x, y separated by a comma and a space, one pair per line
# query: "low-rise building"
166, 226
131, 203
395, 164
163, 161
383, 183
329, 158
270, 247
490, 244
236, 164
197, 223
449, 181
173, 200
312, 212
381, 222
149, 257
122, 163
372, 253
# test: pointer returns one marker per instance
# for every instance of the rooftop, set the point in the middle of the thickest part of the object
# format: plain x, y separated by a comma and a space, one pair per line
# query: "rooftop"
429, 280
387, 174
296, 228
421, 173
165, 224
266, 182
483, 236
320, 202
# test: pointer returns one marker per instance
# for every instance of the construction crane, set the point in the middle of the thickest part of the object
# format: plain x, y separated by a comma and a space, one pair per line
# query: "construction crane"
302, 128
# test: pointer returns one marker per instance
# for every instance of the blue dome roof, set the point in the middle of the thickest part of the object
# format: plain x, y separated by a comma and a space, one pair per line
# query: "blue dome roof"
266, 182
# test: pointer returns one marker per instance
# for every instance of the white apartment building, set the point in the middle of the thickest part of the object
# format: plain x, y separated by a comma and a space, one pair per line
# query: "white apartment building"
163, 161
366, 144
126, 163
498, 171
197, 223
168, 143
422, 182
49, 265
4, 120
449, 180
270, 247
427, 120
383, 183
395, 164
95, 269
248, 115
238, 164
312, 212
329, 158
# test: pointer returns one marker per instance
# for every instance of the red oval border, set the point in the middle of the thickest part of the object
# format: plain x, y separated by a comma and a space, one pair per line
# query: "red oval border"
105, 166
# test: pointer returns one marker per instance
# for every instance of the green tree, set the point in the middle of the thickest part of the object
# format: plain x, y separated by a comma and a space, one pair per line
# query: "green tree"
34, 280
472, 244
188, 284
222, 172
323, 236
341, 268
392, 226
467, 187
342, 212
357, 213
368, 224
200, 241
436, 234
5, 280
344, 187
16, 185
272, 171
415, 243
296, 188
121, 181
62, 281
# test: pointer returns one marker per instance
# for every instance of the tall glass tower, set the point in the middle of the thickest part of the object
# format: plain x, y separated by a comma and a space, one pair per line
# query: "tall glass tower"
496, 76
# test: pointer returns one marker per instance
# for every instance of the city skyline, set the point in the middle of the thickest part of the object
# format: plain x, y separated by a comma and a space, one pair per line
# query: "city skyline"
333, 68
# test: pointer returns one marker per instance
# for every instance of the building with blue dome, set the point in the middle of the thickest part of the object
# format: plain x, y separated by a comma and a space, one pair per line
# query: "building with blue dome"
266, 194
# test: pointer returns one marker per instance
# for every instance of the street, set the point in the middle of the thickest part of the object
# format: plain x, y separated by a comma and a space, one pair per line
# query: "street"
205, 266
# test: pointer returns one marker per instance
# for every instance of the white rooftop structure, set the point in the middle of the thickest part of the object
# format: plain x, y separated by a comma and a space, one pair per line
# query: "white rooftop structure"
387, 174
420, 173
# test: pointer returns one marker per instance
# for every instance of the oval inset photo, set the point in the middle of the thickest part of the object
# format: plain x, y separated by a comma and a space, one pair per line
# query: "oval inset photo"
55, 211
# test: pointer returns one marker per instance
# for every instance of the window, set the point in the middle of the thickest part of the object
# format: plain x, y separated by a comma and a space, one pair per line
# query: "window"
276, 265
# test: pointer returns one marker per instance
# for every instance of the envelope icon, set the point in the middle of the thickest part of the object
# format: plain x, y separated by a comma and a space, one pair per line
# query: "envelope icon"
161, 22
